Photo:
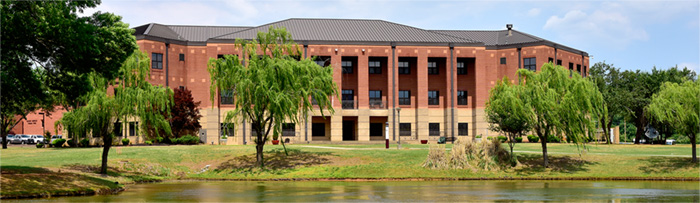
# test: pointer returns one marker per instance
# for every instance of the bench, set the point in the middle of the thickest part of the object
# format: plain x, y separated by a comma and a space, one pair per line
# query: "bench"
444, 140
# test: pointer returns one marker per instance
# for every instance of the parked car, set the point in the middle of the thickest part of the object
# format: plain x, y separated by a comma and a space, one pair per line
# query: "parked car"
55, 137
23, 139
17, 139
10, 137
37, 138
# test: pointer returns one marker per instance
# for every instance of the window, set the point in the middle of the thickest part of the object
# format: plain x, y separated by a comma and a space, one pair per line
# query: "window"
156, 61
321, 63
376, 129
254, 129
571, 69
375, 67
503, 60
347, 67
432, 68
227, 129
118, 129
578, 68
433, 98
404, 129
463, 129
461, 70
220, 56
462, 97
288, 129
550, 60
348, 99
182, 57
375, 99
584, 71
227, 96
434, 129
530, 64
133, 128
404, 68
404, 97
559, 62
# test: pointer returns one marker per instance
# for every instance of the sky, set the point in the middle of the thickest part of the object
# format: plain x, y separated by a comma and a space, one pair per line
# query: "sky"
630, 35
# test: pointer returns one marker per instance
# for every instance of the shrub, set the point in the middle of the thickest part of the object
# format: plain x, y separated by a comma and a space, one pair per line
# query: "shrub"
465, 154
159, 140
518, 139
125, 141
189, 139
149, 143
58, 142
478, 136
39, 145
533, 138
489, 138
436, 157
84, 142
553, 139
502, 138
72, 143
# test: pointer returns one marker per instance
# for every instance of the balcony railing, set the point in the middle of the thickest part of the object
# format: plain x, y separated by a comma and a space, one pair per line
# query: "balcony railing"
348, 104
434, 133
377, 104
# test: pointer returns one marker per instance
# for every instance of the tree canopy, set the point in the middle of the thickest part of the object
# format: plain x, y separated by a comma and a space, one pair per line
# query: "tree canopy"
561, 104
679, 106
133, 97
270, 85
184, 115
507, 112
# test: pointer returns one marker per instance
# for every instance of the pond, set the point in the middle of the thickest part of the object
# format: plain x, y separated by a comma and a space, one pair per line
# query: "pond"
403, 191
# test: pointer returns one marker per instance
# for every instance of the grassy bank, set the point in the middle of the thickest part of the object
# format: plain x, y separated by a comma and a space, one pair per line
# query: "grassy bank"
149, 163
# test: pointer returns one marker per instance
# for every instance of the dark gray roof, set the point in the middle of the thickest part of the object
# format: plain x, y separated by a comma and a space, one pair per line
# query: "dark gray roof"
350, 30
499, 39
185, 33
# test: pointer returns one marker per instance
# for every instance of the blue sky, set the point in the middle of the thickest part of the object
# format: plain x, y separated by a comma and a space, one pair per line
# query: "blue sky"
629, 34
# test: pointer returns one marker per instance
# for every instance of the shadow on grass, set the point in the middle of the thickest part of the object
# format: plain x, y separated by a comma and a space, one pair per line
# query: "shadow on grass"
36, 182
136, 173
532, 164
275, 161
666, 164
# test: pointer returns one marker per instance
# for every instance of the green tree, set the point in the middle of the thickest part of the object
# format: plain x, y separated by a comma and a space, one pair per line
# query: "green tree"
22, 93
679, 105
561, 104
508, 113
270, 85
51, 36
133, 97
608, 79
638, 87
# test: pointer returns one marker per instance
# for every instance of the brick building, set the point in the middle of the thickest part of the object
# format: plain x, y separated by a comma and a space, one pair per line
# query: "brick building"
440, 79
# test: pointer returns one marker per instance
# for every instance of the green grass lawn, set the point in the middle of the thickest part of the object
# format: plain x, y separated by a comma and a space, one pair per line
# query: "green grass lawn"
152, 163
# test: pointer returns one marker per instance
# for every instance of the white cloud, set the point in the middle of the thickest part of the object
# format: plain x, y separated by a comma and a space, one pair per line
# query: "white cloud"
534, 12
609, 27
691, 66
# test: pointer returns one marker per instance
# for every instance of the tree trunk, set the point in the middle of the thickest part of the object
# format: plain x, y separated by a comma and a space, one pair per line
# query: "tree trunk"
639, 122
693, 142
4, 141
105, 152
544, 152
259, 154
607, 130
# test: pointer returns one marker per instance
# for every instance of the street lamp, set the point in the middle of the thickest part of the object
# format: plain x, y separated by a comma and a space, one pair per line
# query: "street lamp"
398, 111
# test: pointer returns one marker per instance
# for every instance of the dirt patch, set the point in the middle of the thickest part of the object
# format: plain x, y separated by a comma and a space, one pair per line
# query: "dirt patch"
41, 182
277, 160
532, 163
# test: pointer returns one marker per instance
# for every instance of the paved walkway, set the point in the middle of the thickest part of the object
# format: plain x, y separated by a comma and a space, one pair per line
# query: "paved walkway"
518, 151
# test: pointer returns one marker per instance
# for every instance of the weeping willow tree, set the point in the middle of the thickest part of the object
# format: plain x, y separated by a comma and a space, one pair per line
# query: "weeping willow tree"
508, 113
270, 85
678, 105
133, 97
562, 104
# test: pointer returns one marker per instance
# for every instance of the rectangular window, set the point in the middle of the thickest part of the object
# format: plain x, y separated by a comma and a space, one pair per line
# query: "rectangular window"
463, 129
182, 57
432, 68
254, 129
156, 61
375, 67
550, 60
433, 98
133, 128
571, 69
118, 129
404, 68
227, 96
376, 129
530, 64
503, 60
219, 56
375, 99
559, 62
288, 129
461, 70
404, 97
434, 129
348, 99
347, 67
584, 71
578, 68
227, 129
404, 129
462, 97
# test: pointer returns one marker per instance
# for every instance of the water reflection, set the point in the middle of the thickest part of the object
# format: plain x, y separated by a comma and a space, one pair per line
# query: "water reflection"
403, 191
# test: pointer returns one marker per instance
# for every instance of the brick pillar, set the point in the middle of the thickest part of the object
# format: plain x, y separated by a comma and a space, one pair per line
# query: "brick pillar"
422, 113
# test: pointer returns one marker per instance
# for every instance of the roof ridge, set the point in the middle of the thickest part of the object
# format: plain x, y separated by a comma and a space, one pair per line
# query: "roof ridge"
469, 40
213, 26
252, 28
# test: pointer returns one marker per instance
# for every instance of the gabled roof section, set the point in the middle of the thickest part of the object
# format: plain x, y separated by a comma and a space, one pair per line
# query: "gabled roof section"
183, 34
350, 30
500, 39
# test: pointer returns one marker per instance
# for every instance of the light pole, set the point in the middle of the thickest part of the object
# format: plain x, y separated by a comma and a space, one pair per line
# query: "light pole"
398, 112
43, 128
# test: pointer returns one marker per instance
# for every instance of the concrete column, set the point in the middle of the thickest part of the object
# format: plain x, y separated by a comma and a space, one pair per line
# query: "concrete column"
363, 125
337, 127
